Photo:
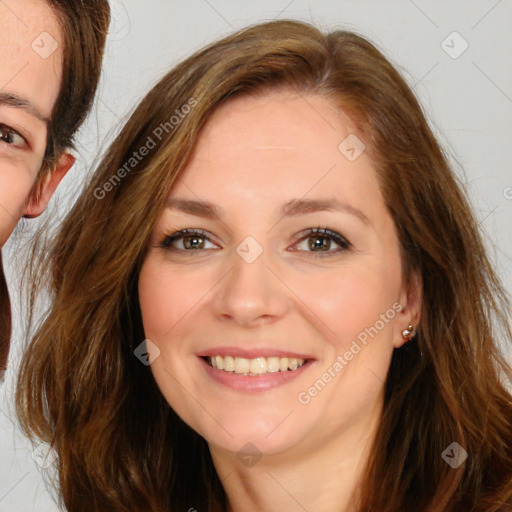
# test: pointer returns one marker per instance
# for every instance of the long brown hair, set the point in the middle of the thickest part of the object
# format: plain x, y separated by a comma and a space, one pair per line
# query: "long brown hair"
84, 27
121, 447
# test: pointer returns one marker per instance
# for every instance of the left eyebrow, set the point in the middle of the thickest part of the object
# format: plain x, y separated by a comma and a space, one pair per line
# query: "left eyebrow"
13, 100
305, 206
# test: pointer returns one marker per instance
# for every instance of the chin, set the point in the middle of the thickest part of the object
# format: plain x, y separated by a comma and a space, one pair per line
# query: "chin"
262, 432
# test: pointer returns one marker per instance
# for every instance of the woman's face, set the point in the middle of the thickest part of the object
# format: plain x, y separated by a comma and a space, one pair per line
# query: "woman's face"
273, 286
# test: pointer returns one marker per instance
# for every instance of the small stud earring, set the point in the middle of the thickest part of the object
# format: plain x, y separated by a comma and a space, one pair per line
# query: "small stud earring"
409, 333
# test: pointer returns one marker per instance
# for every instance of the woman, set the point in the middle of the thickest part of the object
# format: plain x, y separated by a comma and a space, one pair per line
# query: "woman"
50, 55
273, 295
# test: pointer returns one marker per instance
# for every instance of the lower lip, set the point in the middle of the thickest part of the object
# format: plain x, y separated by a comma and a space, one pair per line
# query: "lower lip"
253, 383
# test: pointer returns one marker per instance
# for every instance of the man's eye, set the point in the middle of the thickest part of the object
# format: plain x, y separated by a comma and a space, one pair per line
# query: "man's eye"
322, 241
187, 240
12, 137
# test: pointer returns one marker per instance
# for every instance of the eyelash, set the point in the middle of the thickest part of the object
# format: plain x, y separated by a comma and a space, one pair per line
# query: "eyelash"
8, 131
340, 240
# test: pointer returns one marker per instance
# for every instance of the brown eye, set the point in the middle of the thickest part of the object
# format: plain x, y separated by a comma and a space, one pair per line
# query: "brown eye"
193, 242
187, 240
12, 137
322, 240
321, 243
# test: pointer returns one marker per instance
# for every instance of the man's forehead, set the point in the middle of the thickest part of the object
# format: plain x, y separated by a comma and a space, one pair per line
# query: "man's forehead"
30, 56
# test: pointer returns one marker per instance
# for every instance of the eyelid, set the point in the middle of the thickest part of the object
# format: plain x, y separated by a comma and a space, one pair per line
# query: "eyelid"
8, 128
338, 238
167, 240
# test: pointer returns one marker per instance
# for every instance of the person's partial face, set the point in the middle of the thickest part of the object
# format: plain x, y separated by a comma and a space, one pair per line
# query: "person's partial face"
275, 259
30, 77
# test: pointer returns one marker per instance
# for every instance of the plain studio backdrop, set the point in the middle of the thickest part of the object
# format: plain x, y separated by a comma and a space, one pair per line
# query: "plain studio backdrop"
454, 54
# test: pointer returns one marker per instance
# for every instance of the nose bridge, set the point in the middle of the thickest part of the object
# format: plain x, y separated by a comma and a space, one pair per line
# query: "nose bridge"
250, 291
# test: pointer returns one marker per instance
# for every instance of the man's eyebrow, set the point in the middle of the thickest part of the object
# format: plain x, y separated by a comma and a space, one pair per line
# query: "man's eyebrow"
13, 100
291, 208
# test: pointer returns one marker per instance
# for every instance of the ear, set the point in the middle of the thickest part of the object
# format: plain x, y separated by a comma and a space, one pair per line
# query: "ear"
37, 204
410, 300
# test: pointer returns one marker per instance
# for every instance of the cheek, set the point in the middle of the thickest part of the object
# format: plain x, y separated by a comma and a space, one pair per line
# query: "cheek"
169, 301
352, 298
167, 297
15, 189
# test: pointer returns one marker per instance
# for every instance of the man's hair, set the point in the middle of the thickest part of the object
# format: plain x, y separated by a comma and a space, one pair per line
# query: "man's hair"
84, 25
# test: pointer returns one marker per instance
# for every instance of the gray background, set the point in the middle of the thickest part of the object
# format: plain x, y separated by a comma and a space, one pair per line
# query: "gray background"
468, 100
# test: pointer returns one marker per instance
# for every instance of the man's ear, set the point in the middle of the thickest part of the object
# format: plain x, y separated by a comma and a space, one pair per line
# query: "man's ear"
40, 200
410, 312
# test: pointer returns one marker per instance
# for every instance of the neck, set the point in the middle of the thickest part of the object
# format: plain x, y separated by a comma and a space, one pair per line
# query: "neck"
325, 475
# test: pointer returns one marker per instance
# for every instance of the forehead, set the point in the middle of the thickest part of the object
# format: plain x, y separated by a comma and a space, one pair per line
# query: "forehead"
278, 145
30, 53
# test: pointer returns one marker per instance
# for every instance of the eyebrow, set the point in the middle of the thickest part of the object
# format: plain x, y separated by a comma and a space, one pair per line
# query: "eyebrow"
305, 206
289, 209
13, 100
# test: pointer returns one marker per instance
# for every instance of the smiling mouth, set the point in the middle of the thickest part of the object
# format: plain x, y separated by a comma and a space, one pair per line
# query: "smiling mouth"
254, 367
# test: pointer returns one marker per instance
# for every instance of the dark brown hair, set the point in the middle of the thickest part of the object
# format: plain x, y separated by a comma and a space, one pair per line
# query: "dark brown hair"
84, 25
5, 319
122, 448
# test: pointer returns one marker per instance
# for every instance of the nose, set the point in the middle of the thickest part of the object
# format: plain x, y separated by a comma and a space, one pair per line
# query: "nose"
250, 294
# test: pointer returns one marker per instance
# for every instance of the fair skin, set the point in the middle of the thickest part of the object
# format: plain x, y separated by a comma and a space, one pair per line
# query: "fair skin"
29, 86
200, 297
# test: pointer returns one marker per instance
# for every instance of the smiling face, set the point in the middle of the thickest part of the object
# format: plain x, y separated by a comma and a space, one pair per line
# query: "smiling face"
275, 252
30, 77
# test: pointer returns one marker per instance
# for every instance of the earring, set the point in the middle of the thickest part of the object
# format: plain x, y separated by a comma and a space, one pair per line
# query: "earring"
409, 333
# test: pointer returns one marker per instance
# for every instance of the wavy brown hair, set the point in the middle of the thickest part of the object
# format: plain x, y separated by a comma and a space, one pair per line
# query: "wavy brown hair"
122, 448
84, 27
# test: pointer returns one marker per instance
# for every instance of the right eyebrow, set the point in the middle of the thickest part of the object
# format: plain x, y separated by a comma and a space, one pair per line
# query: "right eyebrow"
197, 208
13, 100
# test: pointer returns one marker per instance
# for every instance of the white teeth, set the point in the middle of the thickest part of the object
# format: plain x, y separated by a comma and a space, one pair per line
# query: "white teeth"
256, 366
229, 363
242, 365
273, 364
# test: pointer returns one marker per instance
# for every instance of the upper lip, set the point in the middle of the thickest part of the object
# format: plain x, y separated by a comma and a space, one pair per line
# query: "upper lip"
252, 353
